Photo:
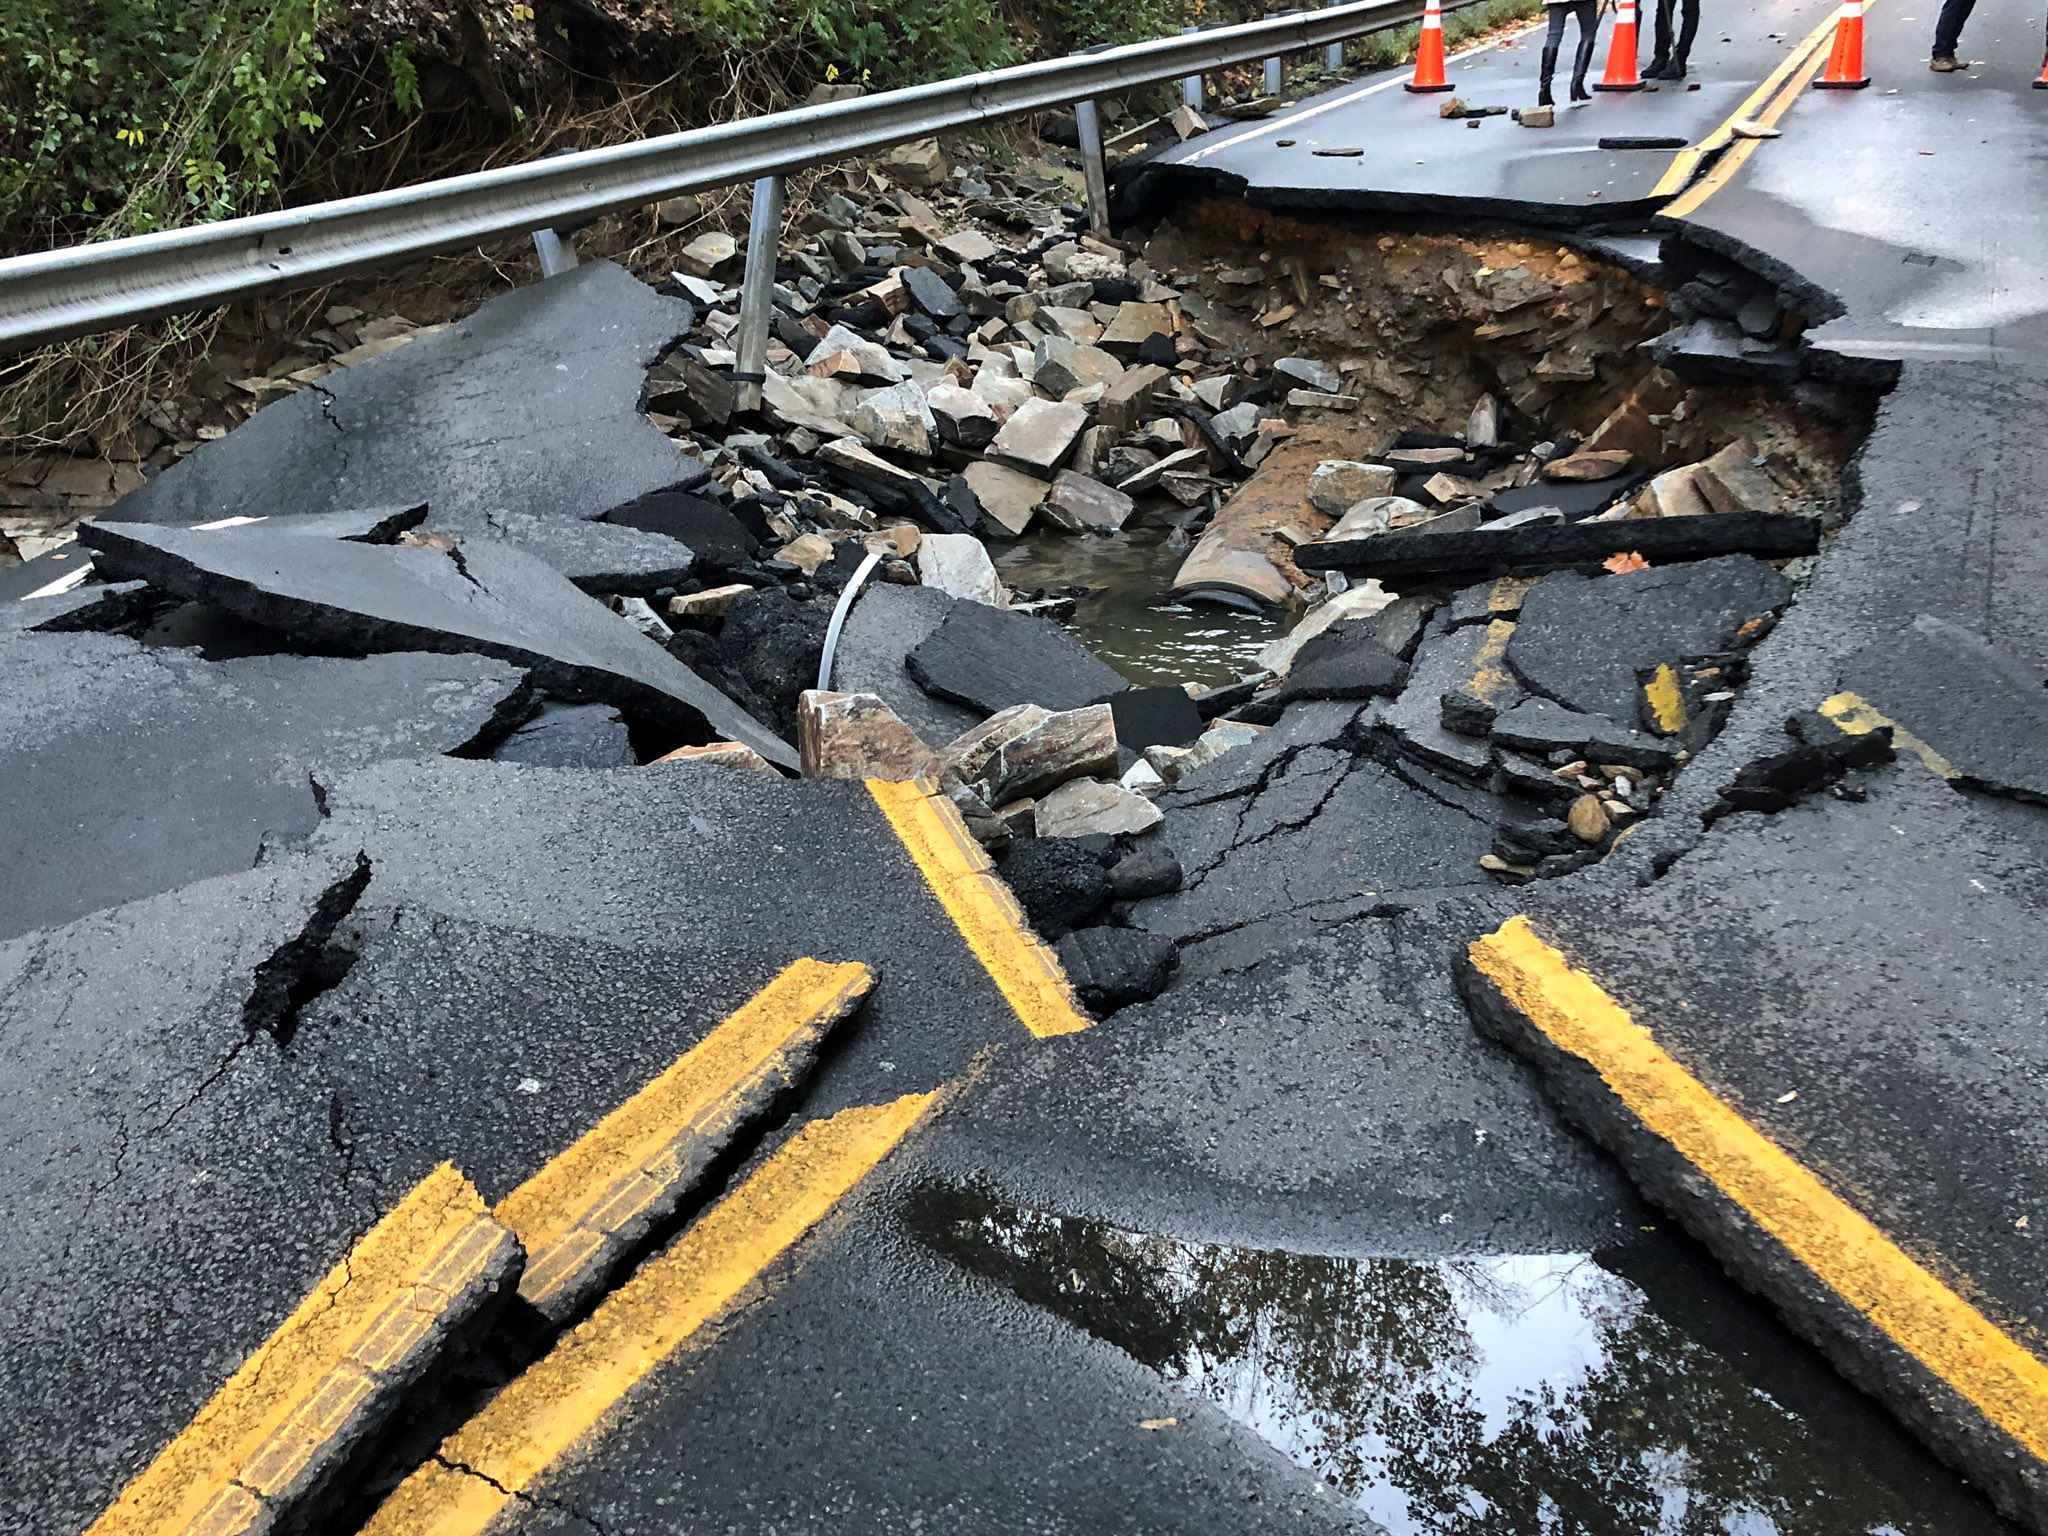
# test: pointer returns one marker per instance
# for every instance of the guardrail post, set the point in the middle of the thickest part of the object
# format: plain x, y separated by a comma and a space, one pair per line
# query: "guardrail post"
757, 291
1191, 85
1274, 79
1333, 56
1093, 169
557, 252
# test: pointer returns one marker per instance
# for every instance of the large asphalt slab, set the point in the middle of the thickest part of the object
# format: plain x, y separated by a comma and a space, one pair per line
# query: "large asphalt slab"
479, 595
1859, 979
1325, 1094
694, 857
132, 769
1912, 211
1417, 162
519, 422
173, 1192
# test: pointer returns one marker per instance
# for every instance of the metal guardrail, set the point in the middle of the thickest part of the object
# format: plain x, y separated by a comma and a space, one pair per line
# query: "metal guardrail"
56, 295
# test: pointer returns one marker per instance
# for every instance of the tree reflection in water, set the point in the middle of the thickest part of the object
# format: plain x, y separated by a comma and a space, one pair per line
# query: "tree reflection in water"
1526, 1393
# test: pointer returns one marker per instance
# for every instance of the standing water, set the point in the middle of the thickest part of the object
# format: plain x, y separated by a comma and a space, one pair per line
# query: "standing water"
1123, 613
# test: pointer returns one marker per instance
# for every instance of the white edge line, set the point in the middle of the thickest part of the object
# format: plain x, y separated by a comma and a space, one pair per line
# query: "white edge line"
1274, 125
61, 585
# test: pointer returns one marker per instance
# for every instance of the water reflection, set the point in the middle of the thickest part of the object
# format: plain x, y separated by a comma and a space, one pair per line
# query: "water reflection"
1525, 1393
1124, 618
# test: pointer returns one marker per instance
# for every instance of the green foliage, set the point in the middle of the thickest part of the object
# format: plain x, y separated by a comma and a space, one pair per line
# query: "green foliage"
879, 45
1073, 24
132, 115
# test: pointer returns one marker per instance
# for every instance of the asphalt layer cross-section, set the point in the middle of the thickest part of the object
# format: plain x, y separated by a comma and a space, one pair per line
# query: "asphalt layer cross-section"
1416, 162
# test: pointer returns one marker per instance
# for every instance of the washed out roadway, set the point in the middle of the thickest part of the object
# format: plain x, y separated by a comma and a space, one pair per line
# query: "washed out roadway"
1415, 162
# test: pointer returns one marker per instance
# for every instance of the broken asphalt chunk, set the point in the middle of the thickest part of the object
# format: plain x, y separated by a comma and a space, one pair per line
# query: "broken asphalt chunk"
529, 407
1423, 553
486, 598
134, 770
989, 660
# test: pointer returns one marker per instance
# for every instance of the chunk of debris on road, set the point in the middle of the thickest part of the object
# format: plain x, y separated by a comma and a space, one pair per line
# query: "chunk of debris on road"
958, 565
989, 660
1536, 117
722, 754
857, 736
1039, 436
571, 736
1086, 807
1047, 752
1112, 968
480, 597
708, 254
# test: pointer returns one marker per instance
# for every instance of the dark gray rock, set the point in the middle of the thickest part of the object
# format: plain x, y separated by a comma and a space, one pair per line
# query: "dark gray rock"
484, 597
1584, 640
1059, 881
1445, 661
775, 641
931, 293
1149, 869
988, 659
1345, 661
530, 408
1112, 968
570, 736
1154, 717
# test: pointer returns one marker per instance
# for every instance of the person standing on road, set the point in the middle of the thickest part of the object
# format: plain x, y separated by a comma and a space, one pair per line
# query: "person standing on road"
1587, 13
1669, 62
1948, 32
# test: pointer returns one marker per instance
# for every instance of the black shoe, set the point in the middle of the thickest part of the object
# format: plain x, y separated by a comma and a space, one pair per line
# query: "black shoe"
1944, 64
1656, 68
1675, 70
1543, 97
1579, 91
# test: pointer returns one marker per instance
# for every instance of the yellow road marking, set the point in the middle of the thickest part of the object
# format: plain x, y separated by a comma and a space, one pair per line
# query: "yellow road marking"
1666, 699
1686, 162
1491, 680
1798, 69
1842, 1248
981, 907
626, 1171
558, 1402
290, 1407
1853, 714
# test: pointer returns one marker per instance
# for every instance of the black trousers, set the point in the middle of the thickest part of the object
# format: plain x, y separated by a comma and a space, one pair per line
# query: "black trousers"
1688, 27
1948, 31
1588, 14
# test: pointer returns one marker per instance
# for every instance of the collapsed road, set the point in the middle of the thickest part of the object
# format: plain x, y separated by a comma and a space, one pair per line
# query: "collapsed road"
1507, 1007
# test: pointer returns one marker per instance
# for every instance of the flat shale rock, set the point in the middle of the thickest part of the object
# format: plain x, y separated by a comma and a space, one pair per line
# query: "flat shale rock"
486, 598
989, 660
1039, 436
529, 406
570, 736
133, 770
1088, 807
1584, 640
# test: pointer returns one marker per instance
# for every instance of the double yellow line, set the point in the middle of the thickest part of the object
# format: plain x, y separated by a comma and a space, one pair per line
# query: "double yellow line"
302, 1401
1766, 105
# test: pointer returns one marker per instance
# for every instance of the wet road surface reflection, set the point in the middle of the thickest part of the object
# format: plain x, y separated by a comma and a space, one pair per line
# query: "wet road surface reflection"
1620, 1393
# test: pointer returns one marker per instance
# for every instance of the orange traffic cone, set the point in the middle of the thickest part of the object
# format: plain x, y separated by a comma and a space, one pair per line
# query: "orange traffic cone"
1621, 72
1845, 60
2042, 83
1429, 51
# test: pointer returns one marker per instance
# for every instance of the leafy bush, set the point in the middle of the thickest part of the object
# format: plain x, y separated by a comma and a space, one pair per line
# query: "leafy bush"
133, 115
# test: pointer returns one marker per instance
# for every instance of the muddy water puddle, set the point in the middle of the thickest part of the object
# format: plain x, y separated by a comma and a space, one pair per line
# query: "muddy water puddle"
1620, 1393
1125, 616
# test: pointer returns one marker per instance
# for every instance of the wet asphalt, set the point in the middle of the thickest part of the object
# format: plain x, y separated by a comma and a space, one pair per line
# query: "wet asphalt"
1291, 1247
